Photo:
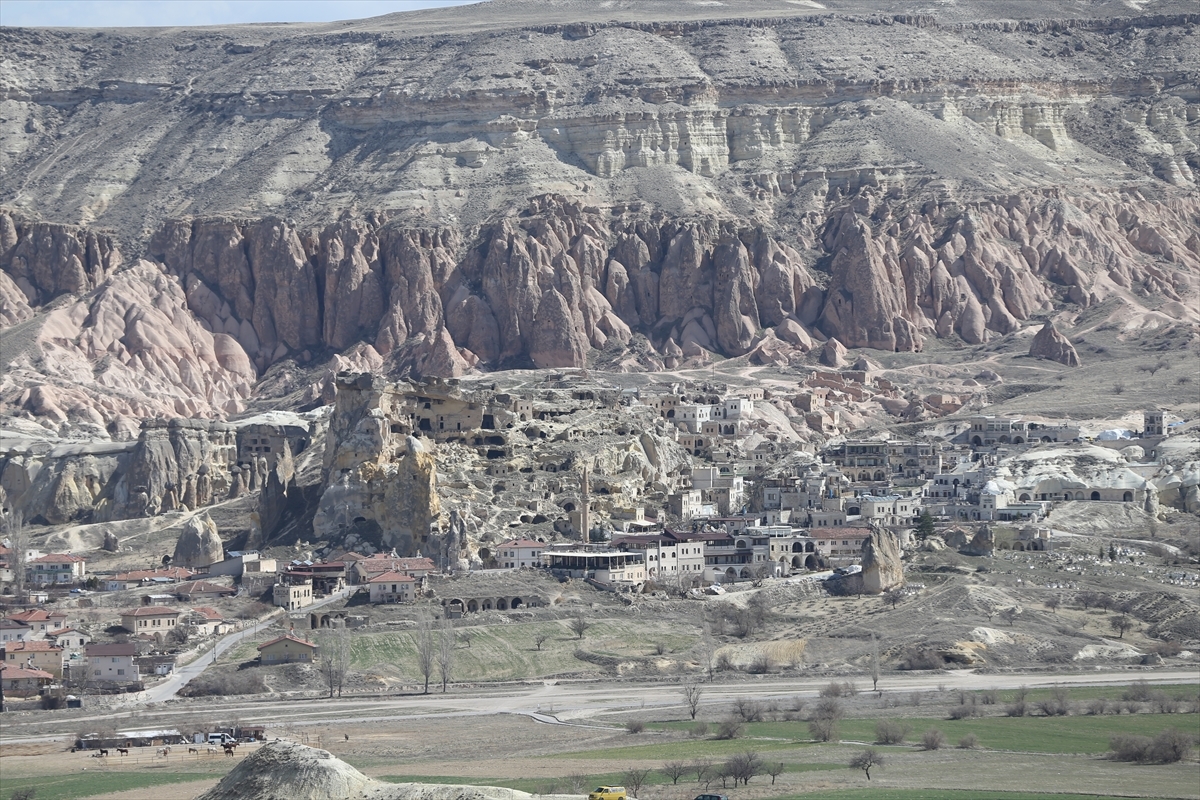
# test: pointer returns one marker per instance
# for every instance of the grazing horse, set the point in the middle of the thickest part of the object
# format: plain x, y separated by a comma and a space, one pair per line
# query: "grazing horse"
194, 750
212, 750
123, 751
102, 753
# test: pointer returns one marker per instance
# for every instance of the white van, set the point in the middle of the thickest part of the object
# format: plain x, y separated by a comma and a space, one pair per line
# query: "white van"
220, 738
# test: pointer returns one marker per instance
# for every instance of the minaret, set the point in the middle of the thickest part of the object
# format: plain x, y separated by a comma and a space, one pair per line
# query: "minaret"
585, 508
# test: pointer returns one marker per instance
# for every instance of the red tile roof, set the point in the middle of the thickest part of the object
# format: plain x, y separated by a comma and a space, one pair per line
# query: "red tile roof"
151, 611
58, 558
112, 649
289, 637
392, 577
30, 647
35, 615
23, 673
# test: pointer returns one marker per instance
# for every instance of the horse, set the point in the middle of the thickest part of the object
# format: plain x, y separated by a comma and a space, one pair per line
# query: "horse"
102, 753
195, 750
123, 751
213, 750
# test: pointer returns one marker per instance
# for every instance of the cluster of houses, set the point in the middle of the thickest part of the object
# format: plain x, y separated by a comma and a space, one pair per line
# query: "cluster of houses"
39, 650
733, 513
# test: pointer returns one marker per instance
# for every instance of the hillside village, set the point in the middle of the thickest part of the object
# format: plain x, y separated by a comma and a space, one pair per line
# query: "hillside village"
400, 491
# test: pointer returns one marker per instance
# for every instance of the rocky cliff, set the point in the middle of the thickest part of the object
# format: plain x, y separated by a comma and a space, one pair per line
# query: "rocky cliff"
509, 185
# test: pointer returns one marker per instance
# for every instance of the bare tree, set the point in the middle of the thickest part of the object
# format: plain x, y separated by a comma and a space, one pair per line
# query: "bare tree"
866, 759
894, 597
1052, 603
675, 770
708, 650
703, 769
747, 710
824, 721
540, 638
1121, 624
774, 770
745, 766
579, 625
335, 658
635, 779
423, 639
466, 635
874, 662
691, 697
1009, 615
445, 654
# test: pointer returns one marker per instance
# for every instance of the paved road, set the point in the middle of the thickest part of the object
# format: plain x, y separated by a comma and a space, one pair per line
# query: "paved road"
180, 677
560, 701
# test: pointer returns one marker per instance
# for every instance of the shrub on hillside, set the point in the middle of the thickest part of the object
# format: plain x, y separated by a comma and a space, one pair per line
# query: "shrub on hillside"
933, 739
890, 731
729, 729
1168, 747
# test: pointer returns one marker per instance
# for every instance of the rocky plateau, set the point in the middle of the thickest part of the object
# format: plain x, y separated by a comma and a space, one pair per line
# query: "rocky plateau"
197, 222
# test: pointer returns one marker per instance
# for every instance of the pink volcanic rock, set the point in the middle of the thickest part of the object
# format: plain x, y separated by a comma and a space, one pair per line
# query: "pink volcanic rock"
1052, 345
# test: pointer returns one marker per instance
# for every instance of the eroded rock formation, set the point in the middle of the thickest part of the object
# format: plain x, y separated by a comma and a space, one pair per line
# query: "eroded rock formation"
199, 544
882, 568
628, 192
1049, 343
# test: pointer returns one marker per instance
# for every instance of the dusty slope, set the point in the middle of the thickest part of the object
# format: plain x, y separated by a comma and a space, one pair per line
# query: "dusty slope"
287, 771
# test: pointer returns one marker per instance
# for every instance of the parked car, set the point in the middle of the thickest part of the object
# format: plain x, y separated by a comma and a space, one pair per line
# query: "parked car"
220, 738
608, 793
711, 797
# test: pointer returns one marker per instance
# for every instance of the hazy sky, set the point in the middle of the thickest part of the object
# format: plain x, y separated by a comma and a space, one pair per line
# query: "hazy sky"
127, 13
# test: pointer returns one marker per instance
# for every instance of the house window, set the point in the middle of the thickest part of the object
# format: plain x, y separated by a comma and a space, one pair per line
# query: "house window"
120, 672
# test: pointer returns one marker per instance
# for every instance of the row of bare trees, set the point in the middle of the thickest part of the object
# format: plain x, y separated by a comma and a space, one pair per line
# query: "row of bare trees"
435, 648
739, 768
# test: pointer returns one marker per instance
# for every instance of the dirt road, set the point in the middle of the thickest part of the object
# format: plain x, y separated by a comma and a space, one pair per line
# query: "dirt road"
554, 701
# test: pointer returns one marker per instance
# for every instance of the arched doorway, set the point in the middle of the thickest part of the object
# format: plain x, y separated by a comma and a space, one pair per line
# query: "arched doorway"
797, 562
1095, 495
516, 603
731, 574
975, 440
1127, 497
811, 563
502, 604
472, 606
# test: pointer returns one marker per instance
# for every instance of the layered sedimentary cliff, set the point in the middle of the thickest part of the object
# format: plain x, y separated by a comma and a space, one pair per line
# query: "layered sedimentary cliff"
514, 185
